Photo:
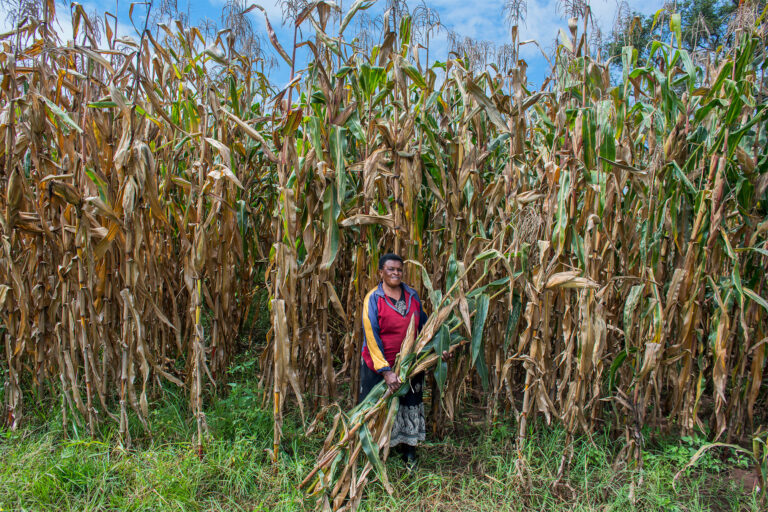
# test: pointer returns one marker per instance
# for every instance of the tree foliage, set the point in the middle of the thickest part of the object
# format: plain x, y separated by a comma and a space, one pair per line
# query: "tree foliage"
706, 25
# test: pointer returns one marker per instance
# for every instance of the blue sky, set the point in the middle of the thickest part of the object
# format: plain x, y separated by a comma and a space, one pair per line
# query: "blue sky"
479, 19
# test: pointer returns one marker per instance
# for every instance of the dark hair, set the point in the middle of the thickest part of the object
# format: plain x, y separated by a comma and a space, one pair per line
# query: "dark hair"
389, 257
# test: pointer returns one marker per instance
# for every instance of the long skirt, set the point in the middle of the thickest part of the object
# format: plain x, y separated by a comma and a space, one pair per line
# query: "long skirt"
409, 426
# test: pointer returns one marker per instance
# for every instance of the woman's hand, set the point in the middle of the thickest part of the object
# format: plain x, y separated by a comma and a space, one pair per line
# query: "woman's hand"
391, 380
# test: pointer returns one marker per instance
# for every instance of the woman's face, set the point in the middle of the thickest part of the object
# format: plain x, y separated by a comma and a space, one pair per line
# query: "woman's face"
392, 273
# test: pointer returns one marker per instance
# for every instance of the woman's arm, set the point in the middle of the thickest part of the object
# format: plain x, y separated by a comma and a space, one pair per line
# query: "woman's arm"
372, 333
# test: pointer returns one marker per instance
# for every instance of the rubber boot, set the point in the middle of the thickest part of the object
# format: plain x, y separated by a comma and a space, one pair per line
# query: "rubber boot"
409, 456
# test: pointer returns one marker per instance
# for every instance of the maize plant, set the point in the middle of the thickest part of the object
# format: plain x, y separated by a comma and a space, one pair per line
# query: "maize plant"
131, 216
599, 245
602, 318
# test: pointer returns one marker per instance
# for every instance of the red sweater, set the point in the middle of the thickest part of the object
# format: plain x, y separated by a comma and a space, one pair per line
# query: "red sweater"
384, 328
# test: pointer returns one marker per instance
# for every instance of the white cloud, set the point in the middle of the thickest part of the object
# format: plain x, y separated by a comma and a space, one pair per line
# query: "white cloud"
485, 20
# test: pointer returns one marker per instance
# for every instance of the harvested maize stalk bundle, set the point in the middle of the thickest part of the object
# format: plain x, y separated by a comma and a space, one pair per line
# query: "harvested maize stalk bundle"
363, 434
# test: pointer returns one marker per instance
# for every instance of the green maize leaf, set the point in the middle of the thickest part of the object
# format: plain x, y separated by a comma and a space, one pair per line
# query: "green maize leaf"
354, 126
371, 450
633, 298
435, 296
514, 319
318, 98
744, 129
755, 297
562, 216
499, 282
725, 73
242, 222
645, 229
338, 148
745, 191
383, 93
331, 212
736, 278
490, 109
689, 67
481, 289
565, 40
431, 100
744, 55
478, 324
413, 73
728, 247
372, 399
607, 142
702, 112
335, 466
497, 141
482, 371
234, 96
675, 25
628, 61
617, 362
101, 185
102, 104
316, 135
442, 343
27, 164
60, 114
344, 71
673, 215
469, 191
405, 32
292, 123
490, 253
636, 73
684, 179
370, 77
755, 249
577, 244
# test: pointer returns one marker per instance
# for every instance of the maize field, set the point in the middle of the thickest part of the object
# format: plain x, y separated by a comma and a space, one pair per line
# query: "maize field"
594, 251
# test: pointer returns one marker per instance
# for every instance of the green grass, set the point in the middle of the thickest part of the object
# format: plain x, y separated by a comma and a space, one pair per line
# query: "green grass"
471, 468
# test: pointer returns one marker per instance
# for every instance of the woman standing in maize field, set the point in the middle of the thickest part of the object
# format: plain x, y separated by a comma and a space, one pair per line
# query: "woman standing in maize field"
388, 310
